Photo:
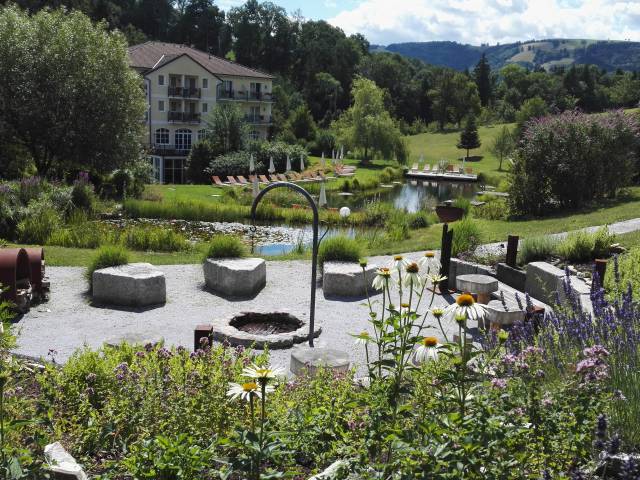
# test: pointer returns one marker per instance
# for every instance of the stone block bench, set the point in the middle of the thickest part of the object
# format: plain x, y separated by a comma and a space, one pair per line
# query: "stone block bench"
235, 277
311, 359
482, 285
498, 317
345, 279
132, 285
545, 281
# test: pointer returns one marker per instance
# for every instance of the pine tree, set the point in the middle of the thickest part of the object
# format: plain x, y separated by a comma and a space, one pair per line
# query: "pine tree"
469, 137
482, 77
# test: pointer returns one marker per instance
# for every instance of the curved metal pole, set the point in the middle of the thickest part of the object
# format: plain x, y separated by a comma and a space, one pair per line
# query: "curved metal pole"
314, 255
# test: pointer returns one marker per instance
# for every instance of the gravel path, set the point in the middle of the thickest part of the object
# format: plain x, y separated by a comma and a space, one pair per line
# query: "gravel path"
68, 321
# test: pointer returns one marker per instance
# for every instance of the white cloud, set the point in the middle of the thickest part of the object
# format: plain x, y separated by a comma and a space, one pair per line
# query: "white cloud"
490, 21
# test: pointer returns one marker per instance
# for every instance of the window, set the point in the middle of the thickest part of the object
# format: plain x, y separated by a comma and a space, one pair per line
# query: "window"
205, 83
254, 89
227, 85
183, 139
202, 134
161, 105
255, 135
162, 136
160, 79
205, 108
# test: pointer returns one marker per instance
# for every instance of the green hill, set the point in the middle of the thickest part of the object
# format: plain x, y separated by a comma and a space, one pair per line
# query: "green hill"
609, 55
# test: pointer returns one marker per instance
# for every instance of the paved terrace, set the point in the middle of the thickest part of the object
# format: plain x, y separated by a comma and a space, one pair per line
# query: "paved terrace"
68, 321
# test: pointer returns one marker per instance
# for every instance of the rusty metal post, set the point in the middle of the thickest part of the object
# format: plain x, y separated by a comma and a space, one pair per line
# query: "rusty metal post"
200, 332
445, 256
601, 270
512, 250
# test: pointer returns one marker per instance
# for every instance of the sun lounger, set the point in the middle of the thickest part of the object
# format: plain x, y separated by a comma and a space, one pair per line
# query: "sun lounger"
242, 180
282, 177
469, 171
293, 177
217, 181
427, 167
231, 180
263, 179
415, 167
252, 178
450, 168
273, 178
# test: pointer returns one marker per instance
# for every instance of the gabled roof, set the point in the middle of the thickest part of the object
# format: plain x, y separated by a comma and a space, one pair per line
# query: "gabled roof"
153, 55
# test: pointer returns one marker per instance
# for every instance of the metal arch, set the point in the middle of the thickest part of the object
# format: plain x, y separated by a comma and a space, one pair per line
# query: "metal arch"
314, 254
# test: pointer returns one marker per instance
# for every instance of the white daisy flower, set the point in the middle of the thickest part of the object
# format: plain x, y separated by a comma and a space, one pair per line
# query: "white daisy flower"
427, 350
362, 339
466, 306
245, 391
429, 263
383, 275
399, 262
412, 277
262, 373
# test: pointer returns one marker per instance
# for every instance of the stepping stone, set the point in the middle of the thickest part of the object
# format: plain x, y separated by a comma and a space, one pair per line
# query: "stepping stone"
310, 359
61, 464
499, 317
132, 285
235, 277
345, 279
482, 285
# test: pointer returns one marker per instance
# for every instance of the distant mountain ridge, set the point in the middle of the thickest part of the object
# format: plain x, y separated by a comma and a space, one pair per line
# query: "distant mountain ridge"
606, 54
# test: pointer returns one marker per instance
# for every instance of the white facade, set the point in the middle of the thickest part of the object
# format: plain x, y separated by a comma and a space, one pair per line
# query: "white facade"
180, 94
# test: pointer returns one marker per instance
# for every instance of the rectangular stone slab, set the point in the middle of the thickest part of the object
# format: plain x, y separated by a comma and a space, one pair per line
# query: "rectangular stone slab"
235, 277
132, 285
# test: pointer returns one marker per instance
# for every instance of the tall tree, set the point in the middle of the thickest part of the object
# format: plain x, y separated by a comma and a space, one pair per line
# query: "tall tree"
226, 127
469, 138
67, 91
367, 125
482, 77
202, 24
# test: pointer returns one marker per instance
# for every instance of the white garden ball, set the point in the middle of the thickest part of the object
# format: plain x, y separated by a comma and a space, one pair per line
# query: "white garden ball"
345, 212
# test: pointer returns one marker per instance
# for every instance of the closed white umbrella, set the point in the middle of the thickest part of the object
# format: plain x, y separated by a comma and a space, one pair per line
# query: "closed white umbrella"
288, 164
322, 162
255, 188
272, 169
252, 165
323, 196
342, 152
302, 162
333, 154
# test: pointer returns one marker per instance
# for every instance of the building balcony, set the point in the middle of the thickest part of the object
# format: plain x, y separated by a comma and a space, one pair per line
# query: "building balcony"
184, 92
171, 150
183, 117
228, 95
258, 119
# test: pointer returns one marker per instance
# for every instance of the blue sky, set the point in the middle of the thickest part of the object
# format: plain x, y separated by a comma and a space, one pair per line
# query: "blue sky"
473, 21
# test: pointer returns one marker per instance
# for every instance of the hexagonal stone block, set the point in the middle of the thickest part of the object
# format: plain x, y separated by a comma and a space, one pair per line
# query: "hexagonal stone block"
235, 277
132, 285
310, 359
482, 285
498, 316
345, 279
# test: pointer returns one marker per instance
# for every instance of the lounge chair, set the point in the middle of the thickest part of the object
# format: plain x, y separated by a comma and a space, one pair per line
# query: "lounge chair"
282, 177
273, 178
263, 179
252, 178
469, 171
293, 177
231, 180
450, 168
242, 180
415, 167
427, 167
217, 181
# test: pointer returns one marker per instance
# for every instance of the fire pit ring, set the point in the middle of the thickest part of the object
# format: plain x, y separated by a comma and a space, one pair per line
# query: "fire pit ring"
276, 330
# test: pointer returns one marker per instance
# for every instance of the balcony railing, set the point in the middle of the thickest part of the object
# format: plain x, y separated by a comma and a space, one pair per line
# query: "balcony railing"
170, 149
258, 119
184, 92
184, 117
246, 96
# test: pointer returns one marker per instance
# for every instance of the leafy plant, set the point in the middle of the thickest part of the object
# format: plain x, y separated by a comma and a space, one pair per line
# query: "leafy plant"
107, 256
226, 246
533, 249
466, 236
583, 246
39, 222
339, 248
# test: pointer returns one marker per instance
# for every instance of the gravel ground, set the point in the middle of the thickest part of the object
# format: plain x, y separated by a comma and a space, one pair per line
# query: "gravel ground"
68, 320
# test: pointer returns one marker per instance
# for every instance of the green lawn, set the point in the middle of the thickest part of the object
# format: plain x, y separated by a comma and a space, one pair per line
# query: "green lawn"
442, 146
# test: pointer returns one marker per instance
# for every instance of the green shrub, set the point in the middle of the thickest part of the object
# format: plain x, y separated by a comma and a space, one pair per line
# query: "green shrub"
339, 249
583, 246
39, 222
463, 203
233, 163
602, 241
420, 219
397, 226
466, 236
629, 273
226, 246
495, 209
533, 249
83, 196
107, 256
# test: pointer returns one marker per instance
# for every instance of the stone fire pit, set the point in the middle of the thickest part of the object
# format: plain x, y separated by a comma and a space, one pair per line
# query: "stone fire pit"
235, 277
275, 329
